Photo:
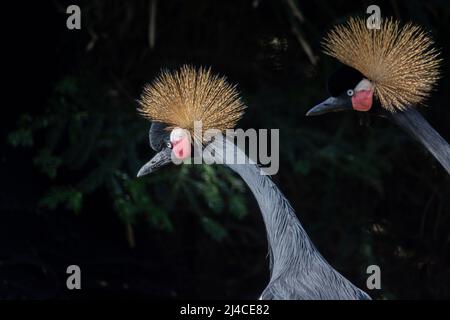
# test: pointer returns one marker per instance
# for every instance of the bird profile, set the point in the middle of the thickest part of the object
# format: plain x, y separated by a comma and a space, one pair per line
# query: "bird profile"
400, 61
190, 94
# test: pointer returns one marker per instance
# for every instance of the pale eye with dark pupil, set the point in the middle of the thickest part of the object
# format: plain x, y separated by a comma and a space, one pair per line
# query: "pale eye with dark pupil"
169, 145
350, 92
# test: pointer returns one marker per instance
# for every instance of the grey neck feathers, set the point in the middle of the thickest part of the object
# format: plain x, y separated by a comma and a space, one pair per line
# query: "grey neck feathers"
413, 123
286, 237
298, 271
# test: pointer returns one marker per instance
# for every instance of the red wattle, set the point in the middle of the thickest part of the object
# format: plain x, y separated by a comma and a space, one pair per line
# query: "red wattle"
182, 148
362, 100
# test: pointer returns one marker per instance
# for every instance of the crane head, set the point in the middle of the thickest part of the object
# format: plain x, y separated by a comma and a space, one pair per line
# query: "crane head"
389, 70
176, 102
169, 145
349, 90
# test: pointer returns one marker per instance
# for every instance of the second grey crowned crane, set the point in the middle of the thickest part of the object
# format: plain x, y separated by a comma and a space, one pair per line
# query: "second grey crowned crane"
173, 102
386, 73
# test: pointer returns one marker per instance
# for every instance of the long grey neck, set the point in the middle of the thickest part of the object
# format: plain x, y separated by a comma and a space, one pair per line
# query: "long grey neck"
414, 123
288, 241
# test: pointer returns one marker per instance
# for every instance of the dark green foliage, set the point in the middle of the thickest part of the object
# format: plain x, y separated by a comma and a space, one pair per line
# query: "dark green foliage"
90, 137
72, 199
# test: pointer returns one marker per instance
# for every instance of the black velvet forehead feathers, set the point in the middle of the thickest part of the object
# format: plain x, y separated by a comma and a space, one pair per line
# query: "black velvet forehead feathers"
158, 135
342, 79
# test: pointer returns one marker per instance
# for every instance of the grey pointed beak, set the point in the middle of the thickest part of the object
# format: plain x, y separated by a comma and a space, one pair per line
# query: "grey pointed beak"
159, 160
332, 104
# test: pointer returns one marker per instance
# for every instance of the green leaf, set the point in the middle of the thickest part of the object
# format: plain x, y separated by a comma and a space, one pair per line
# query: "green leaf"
214, 229
237, 206
303, 167
213, 197
73, 199
47, 163
21, 137
159, 218
67, 86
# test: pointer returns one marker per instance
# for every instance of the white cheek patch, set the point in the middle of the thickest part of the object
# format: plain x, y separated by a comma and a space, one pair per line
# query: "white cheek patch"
181, 143
177, 134
364, 85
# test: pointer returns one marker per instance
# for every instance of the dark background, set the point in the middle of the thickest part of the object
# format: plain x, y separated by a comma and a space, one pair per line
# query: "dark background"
72, 143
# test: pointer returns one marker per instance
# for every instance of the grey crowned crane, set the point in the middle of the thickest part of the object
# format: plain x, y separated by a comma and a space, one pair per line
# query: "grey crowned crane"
385, 72
173, 102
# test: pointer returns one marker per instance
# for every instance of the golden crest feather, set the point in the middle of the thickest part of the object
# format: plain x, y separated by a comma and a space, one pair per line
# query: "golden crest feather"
182, 97
401, 62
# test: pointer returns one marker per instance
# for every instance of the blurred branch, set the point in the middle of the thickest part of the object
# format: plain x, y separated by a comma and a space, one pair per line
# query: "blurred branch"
130, 236
424, 216
152, 24
93, 41
395, 8
295, 11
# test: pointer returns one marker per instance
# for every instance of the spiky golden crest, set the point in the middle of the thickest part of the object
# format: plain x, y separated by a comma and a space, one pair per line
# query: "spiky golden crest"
189, 94
401, 62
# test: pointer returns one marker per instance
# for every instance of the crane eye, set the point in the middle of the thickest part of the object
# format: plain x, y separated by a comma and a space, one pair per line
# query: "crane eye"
169, 145
350, 92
